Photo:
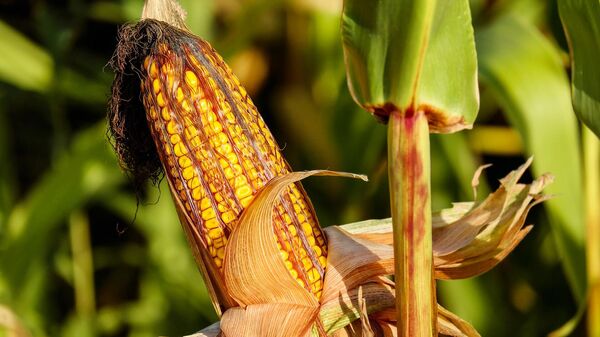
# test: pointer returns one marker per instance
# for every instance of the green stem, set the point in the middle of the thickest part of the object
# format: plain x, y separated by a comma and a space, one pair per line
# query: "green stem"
591, 153
83, 266
409, 174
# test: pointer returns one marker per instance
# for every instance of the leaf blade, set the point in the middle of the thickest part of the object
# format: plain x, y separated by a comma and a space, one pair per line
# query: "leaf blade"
525, 73
582, 28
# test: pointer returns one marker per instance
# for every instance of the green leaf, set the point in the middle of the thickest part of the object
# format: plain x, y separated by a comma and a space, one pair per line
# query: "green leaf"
23, 63
448, 83
412, 54
524, 71
581, 21
7, 178
384, 44
200, 15
85, 172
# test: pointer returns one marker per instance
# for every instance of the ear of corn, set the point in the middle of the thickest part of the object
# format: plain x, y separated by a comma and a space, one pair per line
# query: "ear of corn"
217, 153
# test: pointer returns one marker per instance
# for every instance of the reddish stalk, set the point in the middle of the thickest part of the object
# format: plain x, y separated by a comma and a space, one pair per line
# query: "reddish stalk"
409, 179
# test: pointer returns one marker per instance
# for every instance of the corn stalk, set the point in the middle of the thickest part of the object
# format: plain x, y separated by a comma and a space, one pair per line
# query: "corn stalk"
409, 179
399, 63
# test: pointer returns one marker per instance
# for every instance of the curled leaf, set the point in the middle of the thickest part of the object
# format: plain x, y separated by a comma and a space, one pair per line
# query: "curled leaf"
353, 261
253, 270
268, 320
448, 323
451, 325
475, 180
347, 307
471, 238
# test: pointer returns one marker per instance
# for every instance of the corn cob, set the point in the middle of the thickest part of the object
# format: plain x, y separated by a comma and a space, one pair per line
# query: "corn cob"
217, 152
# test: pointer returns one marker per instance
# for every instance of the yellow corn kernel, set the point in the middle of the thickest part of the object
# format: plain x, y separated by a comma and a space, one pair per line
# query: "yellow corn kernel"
191, 79
246, 201
156, 85
283, 253
211, 224
243, 191
160, 99
215, 233
179, 95
306, 228
184, 162
196, 193
228, 217
153, 70
205, 203
175, 139
180, 149
208, 213
172, 127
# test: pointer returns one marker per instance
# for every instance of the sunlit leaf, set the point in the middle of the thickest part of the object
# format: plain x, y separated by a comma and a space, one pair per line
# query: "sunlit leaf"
88, 170
581, 21
526, 75
427, 62
22, 62
7, 181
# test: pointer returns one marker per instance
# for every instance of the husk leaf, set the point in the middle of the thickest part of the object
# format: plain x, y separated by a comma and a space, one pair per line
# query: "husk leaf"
451, 325
352, 261
269, 320
471, 238
344, 309
354, 281
253, 270
357, 300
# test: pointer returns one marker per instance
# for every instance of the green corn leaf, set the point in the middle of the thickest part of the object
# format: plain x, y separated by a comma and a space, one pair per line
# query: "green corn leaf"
581, 21
412, 54
87, 171
23, 63
524, 71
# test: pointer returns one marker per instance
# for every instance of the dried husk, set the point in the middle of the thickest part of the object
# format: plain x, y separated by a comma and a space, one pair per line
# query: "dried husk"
271, 302
269, 320
471, 238
253, 270
357, 299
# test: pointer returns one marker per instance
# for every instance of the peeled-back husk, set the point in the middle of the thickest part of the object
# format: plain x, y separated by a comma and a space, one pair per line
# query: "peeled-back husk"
357, 297
253, 270
471, 238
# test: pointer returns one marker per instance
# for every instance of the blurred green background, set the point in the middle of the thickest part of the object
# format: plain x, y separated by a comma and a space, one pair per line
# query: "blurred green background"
80, 256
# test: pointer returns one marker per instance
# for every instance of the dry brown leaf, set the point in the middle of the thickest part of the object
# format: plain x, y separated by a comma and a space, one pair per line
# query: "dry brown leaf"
469, 238
456, 236
253, 270
269, 320
366, 330
475, 180
353, 261
451, 325
345, 308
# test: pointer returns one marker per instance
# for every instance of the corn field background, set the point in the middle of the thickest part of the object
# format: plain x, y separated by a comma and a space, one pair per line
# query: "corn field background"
85, 253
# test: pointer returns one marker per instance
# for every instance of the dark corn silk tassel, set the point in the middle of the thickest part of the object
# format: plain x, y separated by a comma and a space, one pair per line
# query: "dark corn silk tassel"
214, 147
